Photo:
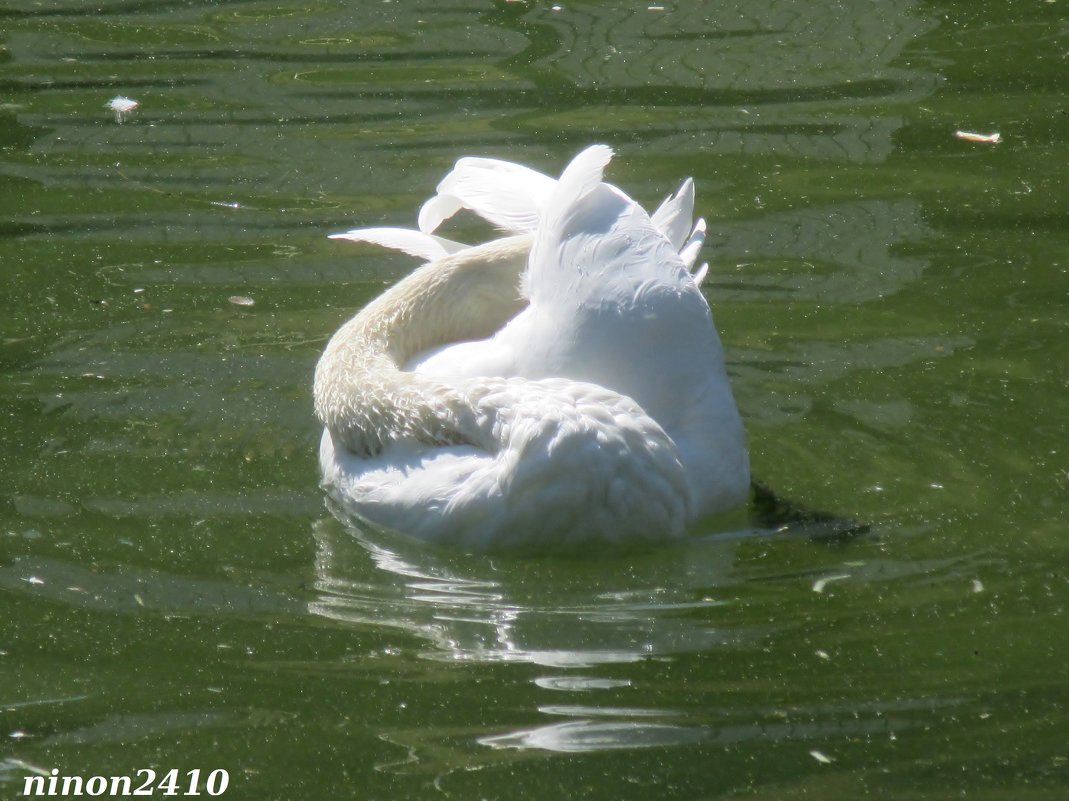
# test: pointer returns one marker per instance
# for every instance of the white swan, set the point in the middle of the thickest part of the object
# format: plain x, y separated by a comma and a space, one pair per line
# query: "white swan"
555, 387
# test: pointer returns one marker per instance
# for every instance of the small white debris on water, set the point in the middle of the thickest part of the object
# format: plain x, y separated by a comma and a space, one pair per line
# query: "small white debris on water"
820, 584
121, 106
969, 136
977, 585
821, 757
823, 655
241, 300
33, 580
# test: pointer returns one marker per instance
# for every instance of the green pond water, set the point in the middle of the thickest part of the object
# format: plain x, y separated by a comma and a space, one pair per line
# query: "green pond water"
893, 300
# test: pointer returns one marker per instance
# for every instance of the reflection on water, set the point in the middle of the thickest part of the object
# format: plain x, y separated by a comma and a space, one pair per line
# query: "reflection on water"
586, 735
569, 613
585, 621
591, 732
547, 612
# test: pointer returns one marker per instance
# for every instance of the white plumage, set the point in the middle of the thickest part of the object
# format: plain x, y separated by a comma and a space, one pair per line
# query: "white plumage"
561, 385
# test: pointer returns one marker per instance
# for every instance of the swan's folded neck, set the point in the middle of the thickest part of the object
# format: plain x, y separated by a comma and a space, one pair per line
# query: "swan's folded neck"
365, 399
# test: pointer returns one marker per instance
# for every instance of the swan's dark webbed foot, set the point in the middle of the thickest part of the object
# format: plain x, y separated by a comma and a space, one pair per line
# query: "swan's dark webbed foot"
775, 512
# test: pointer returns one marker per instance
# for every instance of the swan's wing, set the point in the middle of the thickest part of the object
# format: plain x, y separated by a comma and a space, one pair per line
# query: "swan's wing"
514, 198
414, 243
507, 195
673, 217
595, 251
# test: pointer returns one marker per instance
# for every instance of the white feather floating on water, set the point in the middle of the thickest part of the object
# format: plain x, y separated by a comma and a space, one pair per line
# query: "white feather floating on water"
970, 136
122, 107
821, 583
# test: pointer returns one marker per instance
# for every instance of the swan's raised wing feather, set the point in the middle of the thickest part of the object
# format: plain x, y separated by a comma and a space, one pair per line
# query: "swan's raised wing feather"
581, 177
414, 243
568, 212
509, 196
436, 211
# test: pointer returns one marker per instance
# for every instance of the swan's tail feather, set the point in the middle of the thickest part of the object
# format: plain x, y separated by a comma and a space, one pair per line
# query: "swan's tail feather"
689, 252
414, 243
509, 196
673, 217
700, 273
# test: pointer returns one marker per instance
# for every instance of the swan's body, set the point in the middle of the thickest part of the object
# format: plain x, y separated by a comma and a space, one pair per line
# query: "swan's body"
589, 405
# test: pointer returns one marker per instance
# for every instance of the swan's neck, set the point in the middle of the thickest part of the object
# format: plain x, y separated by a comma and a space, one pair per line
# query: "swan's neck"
363, 397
